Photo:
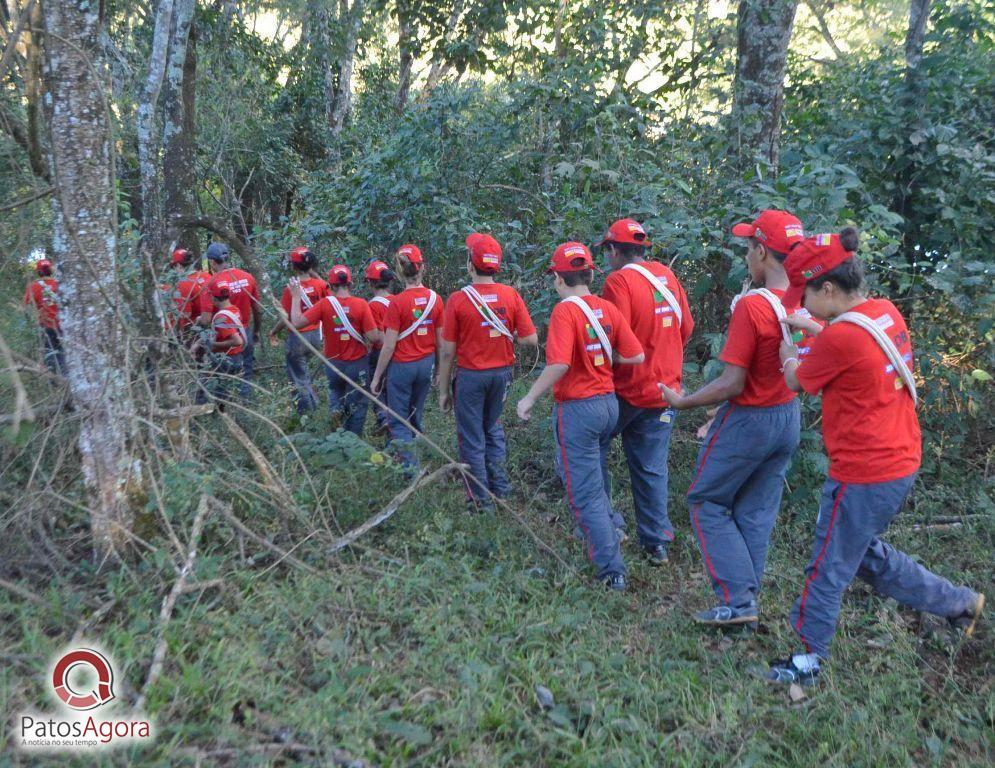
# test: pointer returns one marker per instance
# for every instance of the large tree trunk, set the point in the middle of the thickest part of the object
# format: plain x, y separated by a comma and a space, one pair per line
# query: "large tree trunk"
352, 19
85, 244
179, 175
763, 32
406, 54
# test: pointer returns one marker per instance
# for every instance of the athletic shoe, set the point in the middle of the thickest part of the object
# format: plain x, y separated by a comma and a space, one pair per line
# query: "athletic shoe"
785, 672
614, 581
656, 554
969, 618
724, 615
622, 535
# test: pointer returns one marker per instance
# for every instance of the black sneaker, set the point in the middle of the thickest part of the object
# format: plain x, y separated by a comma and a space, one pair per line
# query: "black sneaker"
614, 581
784, 672
969, 618
656, 554
724, 615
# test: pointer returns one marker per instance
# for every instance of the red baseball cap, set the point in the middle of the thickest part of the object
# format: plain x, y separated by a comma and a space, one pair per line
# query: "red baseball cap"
221, 289
376, 270
778, 230
812, 257
411, 252
180, 255
571, 257
485, 252
340, 275
43, 266
300, 255
625, 231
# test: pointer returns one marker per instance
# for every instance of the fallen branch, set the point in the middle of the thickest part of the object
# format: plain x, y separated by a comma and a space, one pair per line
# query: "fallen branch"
21, 592
226, 512
22, 404
388, 511
159, 656
272, 481
26, 200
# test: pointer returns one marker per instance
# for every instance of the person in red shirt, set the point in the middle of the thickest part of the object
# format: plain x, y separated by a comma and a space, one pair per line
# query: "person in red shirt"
862, 364
736, 493
380, 278
654, 303
297, 348
244, 297
349, 331
186, 293
588, 338
42, 295
482, 323
412, 339
226, 346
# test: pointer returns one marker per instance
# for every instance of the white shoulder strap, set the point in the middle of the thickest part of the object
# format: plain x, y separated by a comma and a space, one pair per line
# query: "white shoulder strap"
380, 300
606, 345
660, 288
887, 346
486, 312
779, 311
236, 318
349, 328
426, 313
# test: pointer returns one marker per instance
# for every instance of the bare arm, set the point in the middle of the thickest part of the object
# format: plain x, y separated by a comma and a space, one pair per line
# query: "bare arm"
389, 345
728, 385
532, 340
447, 355
635, 360
549, 376
789, 365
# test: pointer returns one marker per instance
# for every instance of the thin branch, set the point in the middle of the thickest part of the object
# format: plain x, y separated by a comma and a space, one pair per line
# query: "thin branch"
226, 512
25, 201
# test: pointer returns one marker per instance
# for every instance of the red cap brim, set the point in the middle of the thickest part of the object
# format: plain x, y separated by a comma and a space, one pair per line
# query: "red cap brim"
793, 296
744, 230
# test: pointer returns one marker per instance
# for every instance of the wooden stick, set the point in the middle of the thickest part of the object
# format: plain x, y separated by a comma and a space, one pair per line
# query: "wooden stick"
225, 510
20, 591
388, 511
272, 481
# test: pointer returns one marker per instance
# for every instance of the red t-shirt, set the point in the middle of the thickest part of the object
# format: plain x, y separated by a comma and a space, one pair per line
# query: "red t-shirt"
242, 287
43, 294
405, 309
655, 325
572, 341
339, 343
869, 422
186, 296
378, 306
315, 289
478, 345
754, 343
225, 327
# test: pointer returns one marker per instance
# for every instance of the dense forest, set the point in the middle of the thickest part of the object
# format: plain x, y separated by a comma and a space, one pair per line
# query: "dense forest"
275, 590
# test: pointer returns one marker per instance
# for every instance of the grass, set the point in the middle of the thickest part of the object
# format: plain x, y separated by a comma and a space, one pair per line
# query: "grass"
424, 645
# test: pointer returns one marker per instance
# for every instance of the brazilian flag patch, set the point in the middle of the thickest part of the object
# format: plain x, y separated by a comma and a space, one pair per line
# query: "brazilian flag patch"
590, 331
657, 296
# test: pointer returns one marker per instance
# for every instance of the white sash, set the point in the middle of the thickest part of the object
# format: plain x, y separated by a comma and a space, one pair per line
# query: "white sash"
235, 317
779, 311
887, 346
432, 298
340, 311
308, 304
660, 288
606, 345
380, 300
486, 312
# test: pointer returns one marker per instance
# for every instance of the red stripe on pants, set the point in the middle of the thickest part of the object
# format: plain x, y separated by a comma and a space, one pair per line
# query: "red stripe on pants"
566, 475
815, 566
708, 450
704, 552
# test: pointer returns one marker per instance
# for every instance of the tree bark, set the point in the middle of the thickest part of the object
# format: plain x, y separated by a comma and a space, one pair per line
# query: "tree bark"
352, 19
916, 35
85, 244
179, 177
406, 56
763, 32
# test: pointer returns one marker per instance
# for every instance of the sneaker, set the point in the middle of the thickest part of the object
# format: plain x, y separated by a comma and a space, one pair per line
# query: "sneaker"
614, 581
969, 618
622, 535
656, 554
722, 615
784, 672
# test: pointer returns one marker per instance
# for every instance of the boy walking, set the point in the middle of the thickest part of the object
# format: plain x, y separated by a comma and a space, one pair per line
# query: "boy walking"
587, 338
224, 361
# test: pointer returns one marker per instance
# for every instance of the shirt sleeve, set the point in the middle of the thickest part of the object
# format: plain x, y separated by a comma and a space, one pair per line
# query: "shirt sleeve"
204, 303
741, 342
449, 319
523, 320
560, 340
315, 313
822, 364
616, 291
392, 320
437, 317
626, 343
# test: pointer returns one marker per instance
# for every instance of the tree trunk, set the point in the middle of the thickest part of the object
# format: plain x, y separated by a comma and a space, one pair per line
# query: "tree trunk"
439, 65
405, 48
178, 120
85, 244
763, 32
916, 35
352, 19
32, 97
153, 221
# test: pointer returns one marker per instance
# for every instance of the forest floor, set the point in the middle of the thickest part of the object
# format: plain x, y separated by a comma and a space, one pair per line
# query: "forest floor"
424, 644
